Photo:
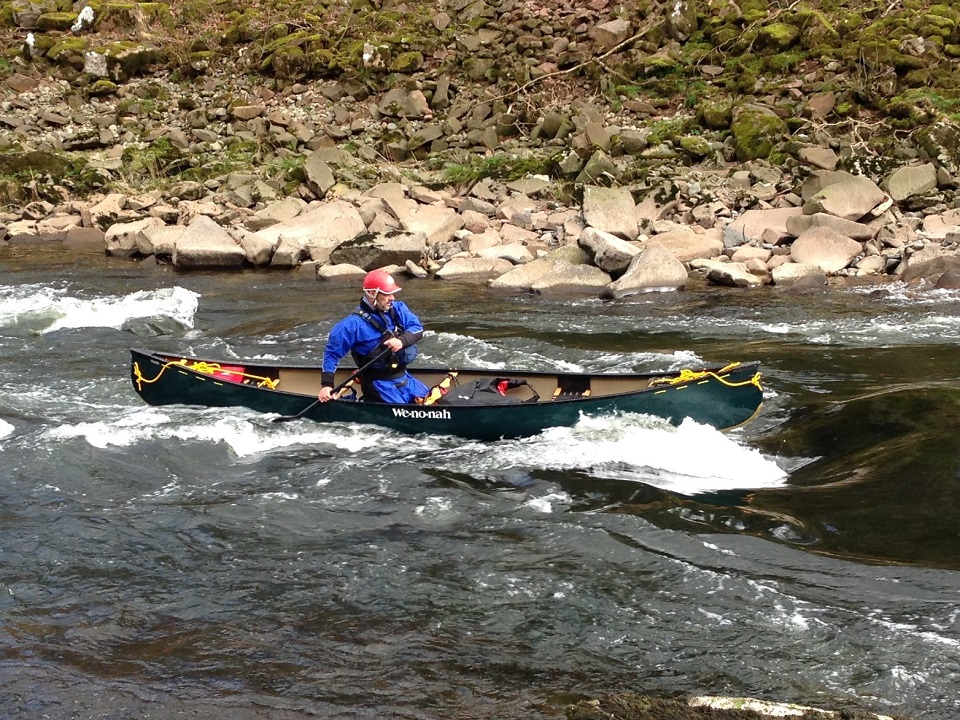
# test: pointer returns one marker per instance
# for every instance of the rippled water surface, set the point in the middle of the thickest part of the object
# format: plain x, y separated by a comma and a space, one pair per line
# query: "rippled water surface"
167, 561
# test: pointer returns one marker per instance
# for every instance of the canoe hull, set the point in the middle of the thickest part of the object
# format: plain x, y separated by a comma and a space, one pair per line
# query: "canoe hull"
720, 399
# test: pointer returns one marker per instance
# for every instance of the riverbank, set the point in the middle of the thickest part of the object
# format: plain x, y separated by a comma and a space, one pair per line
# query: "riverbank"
586, 169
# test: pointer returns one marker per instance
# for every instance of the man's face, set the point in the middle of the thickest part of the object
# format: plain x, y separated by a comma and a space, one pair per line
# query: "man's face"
383, 301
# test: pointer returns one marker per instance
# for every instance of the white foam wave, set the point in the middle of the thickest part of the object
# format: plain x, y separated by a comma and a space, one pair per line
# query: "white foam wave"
245, 435
5, 430
48, 309
469, 352
688, 459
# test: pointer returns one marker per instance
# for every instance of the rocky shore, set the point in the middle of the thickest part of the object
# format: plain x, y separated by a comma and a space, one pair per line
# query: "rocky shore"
438, 164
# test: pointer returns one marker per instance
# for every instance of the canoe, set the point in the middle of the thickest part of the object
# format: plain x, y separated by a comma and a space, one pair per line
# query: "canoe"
722, 397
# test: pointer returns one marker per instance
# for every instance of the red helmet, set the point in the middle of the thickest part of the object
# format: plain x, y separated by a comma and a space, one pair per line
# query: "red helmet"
380, 281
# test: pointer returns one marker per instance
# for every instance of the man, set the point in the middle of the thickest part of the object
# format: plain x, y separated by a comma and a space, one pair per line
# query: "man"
382, 331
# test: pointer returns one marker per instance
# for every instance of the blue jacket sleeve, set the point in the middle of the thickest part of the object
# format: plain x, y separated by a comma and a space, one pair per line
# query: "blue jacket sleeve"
412, 327
343, 337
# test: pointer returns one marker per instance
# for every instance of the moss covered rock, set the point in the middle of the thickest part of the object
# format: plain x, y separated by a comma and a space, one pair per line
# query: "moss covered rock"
20, 165
778, 35
407, 62
59, 21
756, 132
69, 52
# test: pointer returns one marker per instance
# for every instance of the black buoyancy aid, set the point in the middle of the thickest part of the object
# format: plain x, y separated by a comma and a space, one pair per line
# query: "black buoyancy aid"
389, 365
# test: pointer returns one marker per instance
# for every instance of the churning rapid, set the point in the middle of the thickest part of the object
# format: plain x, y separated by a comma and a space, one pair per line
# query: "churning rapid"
212, 561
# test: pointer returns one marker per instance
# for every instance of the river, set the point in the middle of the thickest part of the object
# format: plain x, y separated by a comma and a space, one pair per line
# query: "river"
179, 561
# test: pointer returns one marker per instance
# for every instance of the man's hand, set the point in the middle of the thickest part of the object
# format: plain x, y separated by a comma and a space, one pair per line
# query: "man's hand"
325, 394
395, 344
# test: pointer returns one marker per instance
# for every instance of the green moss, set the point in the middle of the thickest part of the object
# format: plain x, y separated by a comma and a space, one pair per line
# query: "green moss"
501, 167
158, 159
756, 133
24, 165
786, 61
69, 51
779, 35
407, 62
102, 87
58, 21
672, 129
716, 114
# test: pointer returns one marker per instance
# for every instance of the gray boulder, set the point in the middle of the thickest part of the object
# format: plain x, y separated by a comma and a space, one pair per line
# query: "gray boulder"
825, 248
611, 210
317, 231
851, 199
655, 268
375, 251
476, 269
610, 253
122, 239
204, 244
569, 279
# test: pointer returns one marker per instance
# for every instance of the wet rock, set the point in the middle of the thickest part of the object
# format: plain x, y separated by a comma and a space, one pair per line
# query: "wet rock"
655, 268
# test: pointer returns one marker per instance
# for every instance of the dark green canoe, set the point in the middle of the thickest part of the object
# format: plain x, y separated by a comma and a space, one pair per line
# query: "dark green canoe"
721, 397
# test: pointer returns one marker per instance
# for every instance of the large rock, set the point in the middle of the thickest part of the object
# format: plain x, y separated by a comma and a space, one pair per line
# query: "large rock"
205, 244
123, 239
928, 265
611, 210
569, 279
655, 268
437, 222
799, 224
752, 225
375, 251
687, 245
276, 212
317, 231
523, 277
476, 269
791, 273
728, 274
259, 252
610, 253
906, 182
159, 240
850, 199
825, 248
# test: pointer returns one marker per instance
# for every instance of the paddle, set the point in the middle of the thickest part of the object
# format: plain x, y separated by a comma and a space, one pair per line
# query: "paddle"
333, 393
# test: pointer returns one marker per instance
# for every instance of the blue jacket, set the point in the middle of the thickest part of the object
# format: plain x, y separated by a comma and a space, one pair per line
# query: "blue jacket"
359, 337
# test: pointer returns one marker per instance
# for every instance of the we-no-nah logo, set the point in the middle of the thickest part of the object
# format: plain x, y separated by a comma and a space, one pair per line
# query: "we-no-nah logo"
438, 414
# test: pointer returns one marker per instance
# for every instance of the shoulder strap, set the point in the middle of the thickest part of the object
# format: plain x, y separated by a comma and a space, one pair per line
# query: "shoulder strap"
375, 321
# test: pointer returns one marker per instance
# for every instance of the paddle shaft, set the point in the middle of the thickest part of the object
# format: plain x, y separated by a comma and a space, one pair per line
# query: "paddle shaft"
338, 388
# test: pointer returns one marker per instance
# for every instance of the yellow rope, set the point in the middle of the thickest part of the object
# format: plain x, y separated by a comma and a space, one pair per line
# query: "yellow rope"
202, 367
687, 376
